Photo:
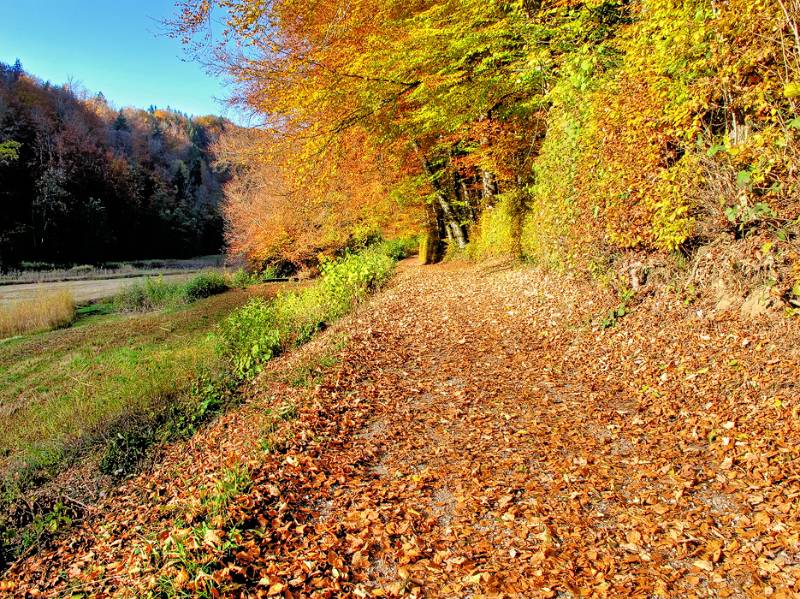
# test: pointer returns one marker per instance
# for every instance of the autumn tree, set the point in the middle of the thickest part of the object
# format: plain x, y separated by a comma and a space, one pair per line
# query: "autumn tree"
82, 182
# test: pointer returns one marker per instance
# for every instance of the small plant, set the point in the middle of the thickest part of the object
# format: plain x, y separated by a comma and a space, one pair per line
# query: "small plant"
260, 330
625, 296
233, 482
45, 525
744, 216
241, 279
126, 450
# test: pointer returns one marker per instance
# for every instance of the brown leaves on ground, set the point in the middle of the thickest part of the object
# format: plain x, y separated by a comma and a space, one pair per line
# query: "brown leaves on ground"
479, 437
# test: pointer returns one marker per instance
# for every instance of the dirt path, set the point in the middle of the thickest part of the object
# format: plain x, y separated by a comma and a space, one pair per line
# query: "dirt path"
479, 437
82, 291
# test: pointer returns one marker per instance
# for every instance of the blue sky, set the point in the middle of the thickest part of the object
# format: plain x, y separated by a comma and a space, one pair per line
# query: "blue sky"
109, 46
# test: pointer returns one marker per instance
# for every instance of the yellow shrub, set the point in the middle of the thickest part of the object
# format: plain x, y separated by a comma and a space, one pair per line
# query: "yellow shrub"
493, 235
46, 310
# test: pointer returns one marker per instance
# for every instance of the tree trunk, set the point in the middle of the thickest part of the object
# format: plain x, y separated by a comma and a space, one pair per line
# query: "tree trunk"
488, 188
454, 229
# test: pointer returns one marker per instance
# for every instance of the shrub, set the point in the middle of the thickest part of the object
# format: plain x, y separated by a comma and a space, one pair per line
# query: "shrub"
150, 294
45, 311
347, 280
82, 269
24, 265
125, 451
260, 330
205, 284
397, 249
154, 292
249, 337
241, 278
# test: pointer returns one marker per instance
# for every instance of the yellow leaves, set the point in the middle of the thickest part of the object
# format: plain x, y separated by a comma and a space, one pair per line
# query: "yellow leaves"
181, 578
212, 538
703, 564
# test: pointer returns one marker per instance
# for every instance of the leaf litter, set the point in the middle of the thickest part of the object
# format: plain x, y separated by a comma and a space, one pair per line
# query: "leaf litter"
480, 435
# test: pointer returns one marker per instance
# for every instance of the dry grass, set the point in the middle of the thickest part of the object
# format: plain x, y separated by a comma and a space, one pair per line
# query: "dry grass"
45, 311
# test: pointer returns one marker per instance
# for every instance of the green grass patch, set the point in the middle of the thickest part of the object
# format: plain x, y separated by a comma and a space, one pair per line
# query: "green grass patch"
154, 292
117, 384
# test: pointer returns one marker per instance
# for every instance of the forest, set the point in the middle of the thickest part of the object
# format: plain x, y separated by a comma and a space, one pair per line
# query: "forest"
83, 183
569, 133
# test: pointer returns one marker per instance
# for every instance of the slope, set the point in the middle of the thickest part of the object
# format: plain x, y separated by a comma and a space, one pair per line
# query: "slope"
472, 432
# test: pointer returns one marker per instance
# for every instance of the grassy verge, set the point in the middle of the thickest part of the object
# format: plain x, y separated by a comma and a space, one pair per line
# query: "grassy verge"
121, 383
261, 330
116, 384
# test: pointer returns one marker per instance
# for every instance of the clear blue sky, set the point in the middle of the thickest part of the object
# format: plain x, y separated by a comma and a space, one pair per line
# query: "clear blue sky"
110, 46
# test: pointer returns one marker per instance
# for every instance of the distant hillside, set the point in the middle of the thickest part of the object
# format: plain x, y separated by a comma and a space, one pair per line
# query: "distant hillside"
83, 182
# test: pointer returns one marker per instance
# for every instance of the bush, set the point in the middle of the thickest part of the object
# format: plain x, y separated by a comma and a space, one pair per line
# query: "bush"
205, 284
43, 312
37, 266
154, 292
397, 249
150, 294
349, 279
241, 278
249, 337
260, 330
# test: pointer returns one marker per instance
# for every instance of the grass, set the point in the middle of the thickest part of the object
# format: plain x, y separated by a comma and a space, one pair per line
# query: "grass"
47, 310
122, 382
117, 384
154, 292
68, 387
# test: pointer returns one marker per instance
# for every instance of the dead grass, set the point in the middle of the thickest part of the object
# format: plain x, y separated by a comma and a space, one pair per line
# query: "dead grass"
44, 311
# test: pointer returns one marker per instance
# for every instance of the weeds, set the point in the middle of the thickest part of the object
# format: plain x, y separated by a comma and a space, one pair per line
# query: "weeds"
232, 483
154, 292
242, 278
204, 285
625, 297
260, 330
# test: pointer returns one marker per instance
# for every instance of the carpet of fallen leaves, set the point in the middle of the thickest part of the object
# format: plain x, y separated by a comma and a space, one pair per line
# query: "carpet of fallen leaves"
479, 436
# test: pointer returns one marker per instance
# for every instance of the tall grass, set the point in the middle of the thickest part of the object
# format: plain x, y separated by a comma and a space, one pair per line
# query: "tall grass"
45, 311
154, 292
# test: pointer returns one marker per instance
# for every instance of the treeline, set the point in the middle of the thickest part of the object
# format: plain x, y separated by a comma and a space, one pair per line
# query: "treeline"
565, 131
81, 182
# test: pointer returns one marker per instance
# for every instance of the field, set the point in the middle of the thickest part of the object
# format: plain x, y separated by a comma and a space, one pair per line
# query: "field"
42, 272
64, 389
83, 291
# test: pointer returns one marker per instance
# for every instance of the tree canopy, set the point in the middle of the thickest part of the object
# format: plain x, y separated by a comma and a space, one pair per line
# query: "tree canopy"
545, 128
83, 182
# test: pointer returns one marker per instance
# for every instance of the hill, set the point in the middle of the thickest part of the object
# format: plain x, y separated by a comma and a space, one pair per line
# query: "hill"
81, 182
